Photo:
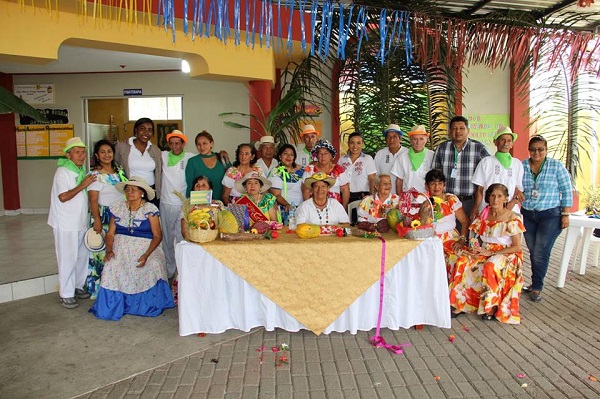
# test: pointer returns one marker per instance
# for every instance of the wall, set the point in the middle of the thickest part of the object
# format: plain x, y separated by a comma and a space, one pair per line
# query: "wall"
203, 101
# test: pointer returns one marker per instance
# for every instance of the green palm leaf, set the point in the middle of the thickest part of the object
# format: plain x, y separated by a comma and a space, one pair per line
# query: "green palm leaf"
9, 103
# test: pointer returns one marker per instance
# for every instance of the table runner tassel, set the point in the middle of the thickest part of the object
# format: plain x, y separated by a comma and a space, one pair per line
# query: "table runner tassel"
378, 341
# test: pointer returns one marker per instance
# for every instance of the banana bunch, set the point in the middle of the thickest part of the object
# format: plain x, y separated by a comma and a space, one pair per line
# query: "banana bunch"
201, 218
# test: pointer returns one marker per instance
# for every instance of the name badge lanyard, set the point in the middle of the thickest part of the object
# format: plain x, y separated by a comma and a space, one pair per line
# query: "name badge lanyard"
535, 192
454, 172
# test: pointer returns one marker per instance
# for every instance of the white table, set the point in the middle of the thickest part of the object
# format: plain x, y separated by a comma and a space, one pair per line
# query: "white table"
576, 223
213, 299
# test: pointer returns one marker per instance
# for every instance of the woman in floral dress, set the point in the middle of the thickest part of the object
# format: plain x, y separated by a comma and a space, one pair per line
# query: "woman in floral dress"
102, 194
447, 208
245, 160
261, 204
488, 279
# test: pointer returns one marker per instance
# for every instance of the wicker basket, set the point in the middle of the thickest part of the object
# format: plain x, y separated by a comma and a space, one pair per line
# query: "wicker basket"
201, 235
417, 233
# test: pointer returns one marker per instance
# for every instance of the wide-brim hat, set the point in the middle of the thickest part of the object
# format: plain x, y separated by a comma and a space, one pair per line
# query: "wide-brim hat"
502, 130
239, 184
418, 129
177, 133
264, 140
93, 241
392, 127
307, 129
73, 142
319, 177
322, 143
138, 182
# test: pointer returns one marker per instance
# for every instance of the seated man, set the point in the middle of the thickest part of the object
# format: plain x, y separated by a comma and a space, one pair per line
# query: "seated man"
320, 209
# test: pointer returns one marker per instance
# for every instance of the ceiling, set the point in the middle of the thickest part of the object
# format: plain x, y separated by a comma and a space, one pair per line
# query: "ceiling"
85, 60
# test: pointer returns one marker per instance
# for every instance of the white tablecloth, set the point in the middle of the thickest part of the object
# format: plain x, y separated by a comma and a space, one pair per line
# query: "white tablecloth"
213, 299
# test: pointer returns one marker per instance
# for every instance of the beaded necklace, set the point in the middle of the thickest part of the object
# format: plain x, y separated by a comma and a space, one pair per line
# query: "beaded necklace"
319, 213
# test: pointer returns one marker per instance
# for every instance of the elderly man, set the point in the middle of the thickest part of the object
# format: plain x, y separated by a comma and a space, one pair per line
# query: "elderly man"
458, 158
266, 149
304, 152
69, 218
173, 179
386, 157
501, 168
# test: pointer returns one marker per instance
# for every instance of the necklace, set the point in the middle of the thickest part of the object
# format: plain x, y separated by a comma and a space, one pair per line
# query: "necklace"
132, 213
320, 213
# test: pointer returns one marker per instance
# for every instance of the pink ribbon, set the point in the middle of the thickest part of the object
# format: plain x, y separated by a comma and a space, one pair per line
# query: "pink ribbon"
378, 341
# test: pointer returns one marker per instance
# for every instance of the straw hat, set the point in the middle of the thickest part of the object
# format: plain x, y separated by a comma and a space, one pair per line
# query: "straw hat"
319, 177
307, 129
505, 130
264, 140
266, 184
418, 129
93, 241
177, 133
393, 128
73, 142
138, 182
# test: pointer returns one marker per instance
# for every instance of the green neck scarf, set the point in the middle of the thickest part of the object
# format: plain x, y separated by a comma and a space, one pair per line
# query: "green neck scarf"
67, 163
173, 159
504, 158
416, 158
212, 154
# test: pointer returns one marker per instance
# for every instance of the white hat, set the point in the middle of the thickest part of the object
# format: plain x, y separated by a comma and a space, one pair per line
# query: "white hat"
138, 182
419, 129
93, 241
73, 142
502, 130
239, 184
264, 140
392, 127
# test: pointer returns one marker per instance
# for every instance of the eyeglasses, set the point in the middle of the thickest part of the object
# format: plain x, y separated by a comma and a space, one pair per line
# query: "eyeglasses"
539, 149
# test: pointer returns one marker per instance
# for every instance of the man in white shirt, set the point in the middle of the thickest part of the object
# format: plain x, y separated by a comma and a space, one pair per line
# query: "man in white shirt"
266, 149
69, 219
172, 179
386, 157
304, 152
500, 168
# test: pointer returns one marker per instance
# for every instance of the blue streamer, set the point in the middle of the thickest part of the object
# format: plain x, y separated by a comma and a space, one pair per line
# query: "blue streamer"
313, 20
209, 18
383, 27
279, 40
226, 27
322, 30
391, 46
302, 27
194, 19
236, 22
289, 35
185, 17
408, 42
158, 12
340, 30
253, 22
328, 29
247, 23
361, 29
261, 25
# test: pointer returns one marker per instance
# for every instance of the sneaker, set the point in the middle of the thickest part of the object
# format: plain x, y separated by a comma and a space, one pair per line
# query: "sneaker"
69, 303
536, 295
527, 288
81, 294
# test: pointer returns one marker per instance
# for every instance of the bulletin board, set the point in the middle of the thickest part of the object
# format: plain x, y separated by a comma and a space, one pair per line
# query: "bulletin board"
43, 141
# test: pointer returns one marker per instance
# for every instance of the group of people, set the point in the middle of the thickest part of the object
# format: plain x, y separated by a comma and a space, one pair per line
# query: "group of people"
474, 200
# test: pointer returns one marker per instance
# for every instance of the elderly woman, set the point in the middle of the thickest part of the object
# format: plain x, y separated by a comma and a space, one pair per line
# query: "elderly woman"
447, 208
102, 193
374, 208
488, 279
261, 204
548, 199
139, 157
134, 279
320, 208
245, 162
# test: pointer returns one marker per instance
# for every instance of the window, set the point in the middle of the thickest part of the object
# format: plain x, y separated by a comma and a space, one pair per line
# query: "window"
156, 108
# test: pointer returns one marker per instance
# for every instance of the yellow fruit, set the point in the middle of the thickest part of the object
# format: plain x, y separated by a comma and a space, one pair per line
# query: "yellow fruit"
393, 217
305, 230
226, 222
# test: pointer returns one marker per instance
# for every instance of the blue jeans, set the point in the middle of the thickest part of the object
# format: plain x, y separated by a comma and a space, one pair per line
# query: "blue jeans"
543, 227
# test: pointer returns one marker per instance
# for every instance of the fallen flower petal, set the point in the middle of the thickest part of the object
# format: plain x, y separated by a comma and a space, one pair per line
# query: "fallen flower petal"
201, 335
275, 349
465, 328
592, 378
524, 385
437, 378
451, 338
520, 375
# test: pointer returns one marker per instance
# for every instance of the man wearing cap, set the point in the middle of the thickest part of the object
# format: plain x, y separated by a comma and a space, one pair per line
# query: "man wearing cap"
458, 158
309, 136
411, 166
68, 218
386, 157
266, 149
172, 179
501, 168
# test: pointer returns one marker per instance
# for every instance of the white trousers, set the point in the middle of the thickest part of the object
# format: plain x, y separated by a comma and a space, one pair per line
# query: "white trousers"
170, 224
72, 258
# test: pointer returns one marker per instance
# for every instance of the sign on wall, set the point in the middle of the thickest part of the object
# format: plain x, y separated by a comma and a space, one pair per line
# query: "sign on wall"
484, 127
42, 93
53, 116
43, 141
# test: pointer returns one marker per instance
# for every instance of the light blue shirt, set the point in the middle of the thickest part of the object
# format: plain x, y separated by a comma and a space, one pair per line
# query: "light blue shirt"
553, 186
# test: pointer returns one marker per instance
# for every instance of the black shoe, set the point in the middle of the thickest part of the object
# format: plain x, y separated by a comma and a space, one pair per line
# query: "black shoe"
488, 317
81, 294
527, 288
455, 315
536, 295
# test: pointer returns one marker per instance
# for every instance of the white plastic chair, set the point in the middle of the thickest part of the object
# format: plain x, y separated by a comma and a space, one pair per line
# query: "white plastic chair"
595, 243
351, 206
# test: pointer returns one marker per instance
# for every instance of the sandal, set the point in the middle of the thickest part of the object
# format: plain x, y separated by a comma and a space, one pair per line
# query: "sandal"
488, 317
454, 314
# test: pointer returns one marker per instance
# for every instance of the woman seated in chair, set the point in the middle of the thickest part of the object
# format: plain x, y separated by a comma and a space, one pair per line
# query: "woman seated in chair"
373, 208
320, 208
447, 208
134, 279
262, 205
488, 279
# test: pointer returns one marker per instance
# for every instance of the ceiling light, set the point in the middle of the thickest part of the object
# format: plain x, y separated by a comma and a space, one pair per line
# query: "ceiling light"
185, 67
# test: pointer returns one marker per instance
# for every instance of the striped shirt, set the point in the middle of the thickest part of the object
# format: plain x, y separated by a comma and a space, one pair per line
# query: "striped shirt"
553, 185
